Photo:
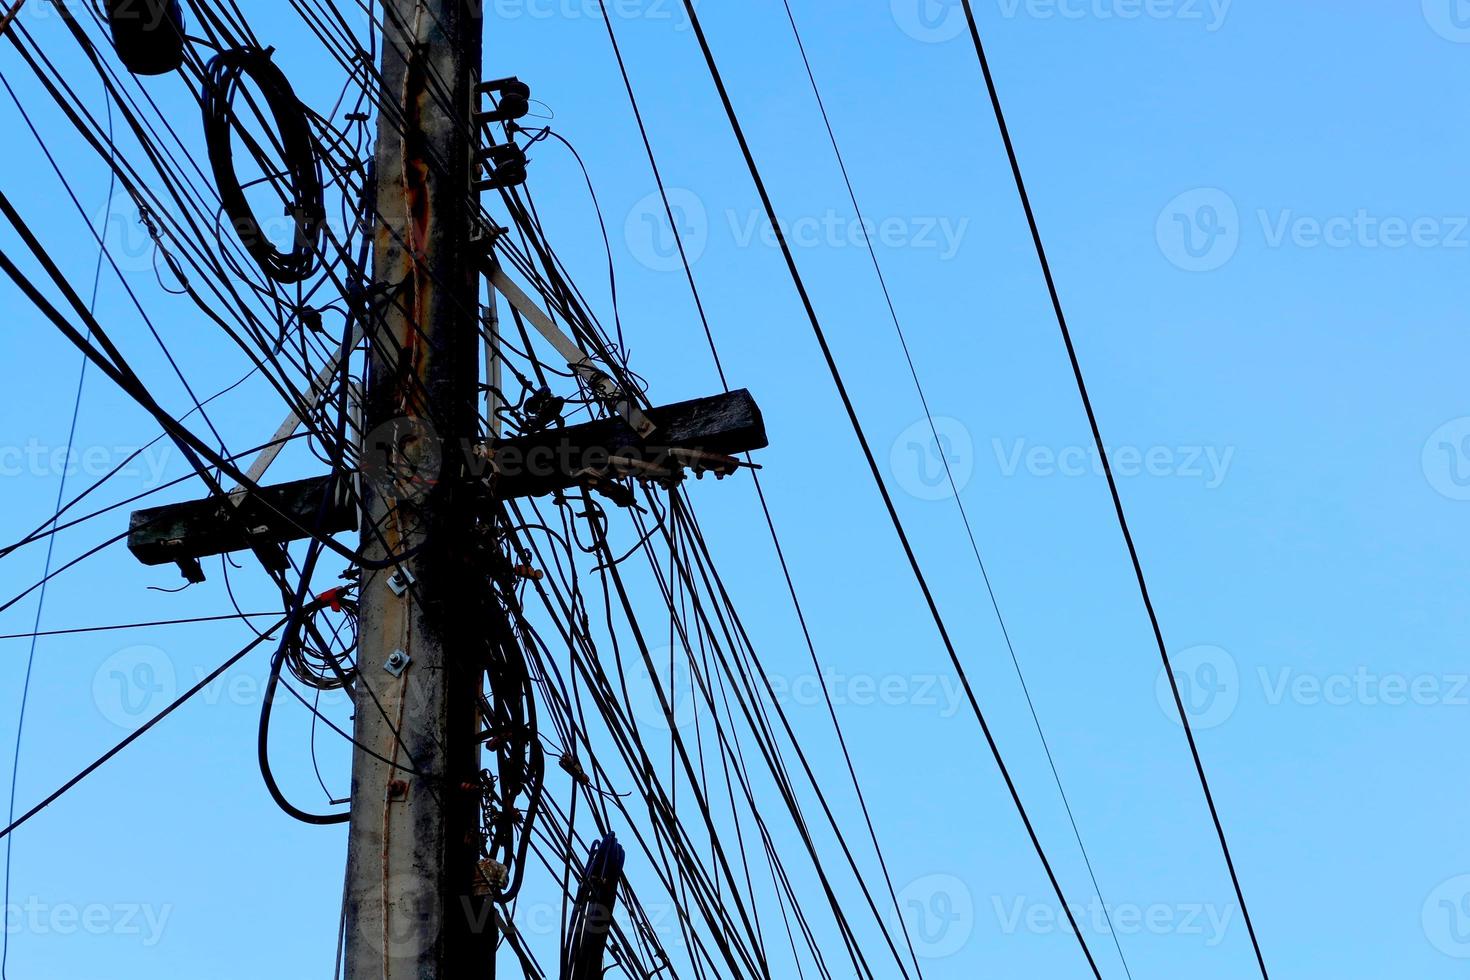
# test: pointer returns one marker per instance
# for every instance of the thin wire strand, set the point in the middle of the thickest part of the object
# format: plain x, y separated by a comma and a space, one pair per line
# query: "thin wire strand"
1092, 420
913, 560
953, 485
25, 690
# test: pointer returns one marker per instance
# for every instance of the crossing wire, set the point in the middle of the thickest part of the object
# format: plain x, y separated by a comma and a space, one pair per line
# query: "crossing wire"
877, 474
1148, 604
953, 486
761, 496
25, 689
142, 730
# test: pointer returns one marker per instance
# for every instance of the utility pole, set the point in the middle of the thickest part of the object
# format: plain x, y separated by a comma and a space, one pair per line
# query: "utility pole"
420, 902
413, 844
422, 898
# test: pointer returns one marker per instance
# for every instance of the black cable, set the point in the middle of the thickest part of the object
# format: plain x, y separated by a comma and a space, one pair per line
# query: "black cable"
613, 708
953, 485
47, 530
137, 626
1153, 617
122, 375
760, 491
110, 157
567, 301
117, 369
224, 75
25, 694
663, 191
612, 278
107, 756
877, 474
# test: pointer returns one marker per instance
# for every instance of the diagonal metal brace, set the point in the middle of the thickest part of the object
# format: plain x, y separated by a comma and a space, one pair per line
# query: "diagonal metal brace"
575, 357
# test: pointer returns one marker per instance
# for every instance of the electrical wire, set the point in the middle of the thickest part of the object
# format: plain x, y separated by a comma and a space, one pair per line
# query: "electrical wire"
224, 75
1097, 436
25, 691
229, 617
138, 733
953, 485
882, 486
536, 697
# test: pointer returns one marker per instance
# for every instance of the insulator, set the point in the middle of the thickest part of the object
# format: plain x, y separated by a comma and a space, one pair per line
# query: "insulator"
148, 34
506, 164
514, 100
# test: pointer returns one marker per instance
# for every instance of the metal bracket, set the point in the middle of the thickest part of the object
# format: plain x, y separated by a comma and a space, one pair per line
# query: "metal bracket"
397, 663
667, 475
401, 581
319, 386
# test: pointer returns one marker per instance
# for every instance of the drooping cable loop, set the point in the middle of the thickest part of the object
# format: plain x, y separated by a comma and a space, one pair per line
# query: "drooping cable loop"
302, 171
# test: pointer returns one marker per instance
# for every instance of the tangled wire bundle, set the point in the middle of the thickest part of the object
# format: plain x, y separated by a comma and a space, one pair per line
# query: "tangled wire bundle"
306, 206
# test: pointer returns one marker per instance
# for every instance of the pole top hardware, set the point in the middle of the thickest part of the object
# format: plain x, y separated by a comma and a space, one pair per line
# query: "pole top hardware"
513, 100
505, 166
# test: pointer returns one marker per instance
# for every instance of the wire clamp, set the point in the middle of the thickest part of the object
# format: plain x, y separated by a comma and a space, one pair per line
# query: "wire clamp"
570, 764
493, 878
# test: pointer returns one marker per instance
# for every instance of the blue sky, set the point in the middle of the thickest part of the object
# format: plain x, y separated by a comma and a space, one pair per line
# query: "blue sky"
1258, 217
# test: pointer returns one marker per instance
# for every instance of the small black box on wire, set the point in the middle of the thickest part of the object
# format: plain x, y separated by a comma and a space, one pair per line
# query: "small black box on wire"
148, 34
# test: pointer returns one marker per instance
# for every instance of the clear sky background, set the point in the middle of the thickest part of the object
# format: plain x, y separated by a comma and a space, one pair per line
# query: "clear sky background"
1259, 218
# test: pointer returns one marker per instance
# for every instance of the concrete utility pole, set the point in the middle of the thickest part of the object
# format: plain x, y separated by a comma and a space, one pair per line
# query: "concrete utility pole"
420, 903
413, 845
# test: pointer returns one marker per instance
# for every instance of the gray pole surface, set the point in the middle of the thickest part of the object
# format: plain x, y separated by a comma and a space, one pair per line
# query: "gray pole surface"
413, 841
